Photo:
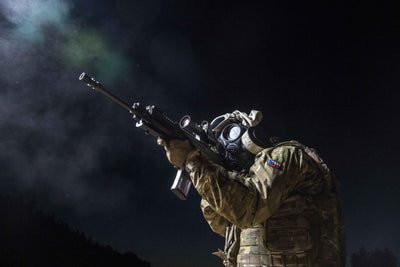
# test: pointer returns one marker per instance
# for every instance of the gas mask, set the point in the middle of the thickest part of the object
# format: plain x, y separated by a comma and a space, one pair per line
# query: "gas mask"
239, 137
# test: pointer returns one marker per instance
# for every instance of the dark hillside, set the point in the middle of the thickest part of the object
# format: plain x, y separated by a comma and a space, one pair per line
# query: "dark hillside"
30, 238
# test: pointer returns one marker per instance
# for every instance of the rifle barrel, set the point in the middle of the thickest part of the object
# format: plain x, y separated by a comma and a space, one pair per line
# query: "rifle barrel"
98, 87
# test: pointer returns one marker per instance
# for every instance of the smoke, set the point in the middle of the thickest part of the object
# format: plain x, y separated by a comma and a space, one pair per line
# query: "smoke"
29, 17
52, 134
64, 143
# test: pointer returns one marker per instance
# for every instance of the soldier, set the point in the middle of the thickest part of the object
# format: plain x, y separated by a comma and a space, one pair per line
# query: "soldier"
284, 210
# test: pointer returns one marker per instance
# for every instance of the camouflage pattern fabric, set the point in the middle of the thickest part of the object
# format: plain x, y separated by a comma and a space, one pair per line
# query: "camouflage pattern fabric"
285, 211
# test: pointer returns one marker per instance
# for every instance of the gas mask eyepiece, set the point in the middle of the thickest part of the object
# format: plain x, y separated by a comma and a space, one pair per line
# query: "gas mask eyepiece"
232, 132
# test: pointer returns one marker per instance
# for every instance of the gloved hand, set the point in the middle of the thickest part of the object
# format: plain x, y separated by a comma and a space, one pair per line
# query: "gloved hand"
177, 151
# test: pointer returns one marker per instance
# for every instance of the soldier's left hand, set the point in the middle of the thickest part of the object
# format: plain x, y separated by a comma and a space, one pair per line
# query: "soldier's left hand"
176, 150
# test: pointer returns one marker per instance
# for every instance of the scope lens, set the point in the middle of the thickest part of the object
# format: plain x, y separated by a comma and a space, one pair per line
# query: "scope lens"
186, 122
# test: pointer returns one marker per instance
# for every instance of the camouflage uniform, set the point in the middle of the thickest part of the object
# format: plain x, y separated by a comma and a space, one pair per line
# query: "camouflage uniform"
285, 211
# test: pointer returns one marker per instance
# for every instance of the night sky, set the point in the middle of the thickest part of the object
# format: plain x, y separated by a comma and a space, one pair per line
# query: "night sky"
327, 75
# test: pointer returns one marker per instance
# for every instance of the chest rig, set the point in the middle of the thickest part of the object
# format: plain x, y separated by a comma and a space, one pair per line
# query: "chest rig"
290, 238
284, 240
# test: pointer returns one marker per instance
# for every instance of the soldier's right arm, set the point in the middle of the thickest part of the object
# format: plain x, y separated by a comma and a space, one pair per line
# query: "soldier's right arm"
217, 223
249, 200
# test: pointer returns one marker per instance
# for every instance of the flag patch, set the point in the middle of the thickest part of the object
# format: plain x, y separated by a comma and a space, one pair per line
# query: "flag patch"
274, 164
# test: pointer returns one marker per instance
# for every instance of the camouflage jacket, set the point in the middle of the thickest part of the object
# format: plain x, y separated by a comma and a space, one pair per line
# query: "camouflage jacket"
285, 211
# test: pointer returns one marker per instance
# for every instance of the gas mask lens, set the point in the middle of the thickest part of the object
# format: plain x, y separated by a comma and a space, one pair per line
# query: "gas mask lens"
232, 132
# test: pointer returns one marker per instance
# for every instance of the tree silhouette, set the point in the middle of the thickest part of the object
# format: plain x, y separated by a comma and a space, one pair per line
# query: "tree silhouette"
30, 238
378, 258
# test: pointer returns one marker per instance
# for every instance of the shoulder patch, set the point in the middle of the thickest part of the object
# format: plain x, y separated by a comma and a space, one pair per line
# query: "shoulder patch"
274, 164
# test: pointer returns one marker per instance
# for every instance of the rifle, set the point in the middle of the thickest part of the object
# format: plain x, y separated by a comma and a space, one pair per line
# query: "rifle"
153, 122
